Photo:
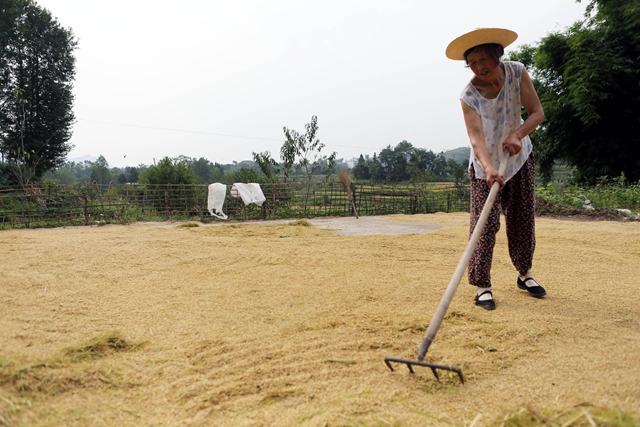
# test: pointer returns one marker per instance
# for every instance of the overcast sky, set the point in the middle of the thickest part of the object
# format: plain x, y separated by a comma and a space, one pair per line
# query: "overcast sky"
220, 79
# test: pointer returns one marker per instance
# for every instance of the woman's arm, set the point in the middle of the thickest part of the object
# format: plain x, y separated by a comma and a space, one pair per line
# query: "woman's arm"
531, 103
476, 136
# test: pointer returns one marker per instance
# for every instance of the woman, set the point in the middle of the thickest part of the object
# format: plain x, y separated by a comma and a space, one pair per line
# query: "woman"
491, 104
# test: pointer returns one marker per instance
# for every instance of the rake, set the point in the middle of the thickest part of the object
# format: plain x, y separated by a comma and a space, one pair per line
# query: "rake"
434, 325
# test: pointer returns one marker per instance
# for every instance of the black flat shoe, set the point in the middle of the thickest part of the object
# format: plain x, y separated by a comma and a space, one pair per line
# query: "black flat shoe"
534, 291
488, 304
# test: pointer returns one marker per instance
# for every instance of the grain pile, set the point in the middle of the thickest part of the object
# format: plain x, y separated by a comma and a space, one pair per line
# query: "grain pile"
288, 324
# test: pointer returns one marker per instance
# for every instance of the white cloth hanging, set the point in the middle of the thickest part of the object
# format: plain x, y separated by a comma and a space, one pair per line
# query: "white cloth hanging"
215, 201
249, 193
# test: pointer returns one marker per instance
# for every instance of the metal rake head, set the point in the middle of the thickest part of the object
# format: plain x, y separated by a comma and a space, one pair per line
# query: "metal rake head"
434, 367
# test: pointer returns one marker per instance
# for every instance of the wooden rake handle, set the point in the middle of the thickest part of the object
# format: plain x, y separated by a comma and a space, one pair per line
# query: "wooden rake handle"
434, 325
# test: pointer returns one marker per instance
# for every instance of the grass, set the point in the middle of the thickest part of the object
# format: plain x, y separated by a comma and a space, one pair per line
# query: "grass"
608, 193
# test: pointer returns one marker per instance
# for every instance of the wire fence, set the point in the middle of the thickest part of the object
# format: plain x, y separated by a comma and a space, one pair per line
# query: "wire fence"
53, 205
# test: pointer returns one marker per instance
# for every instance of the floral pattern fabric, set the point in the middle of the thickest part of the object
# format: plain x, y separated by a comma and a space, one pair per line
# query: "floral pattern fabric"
500, 116
517, 202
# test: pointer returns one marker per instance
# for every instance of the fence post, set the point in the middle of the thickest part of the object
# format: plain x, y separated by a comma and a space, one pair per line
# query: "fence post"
86, 209
26, 211
166, 202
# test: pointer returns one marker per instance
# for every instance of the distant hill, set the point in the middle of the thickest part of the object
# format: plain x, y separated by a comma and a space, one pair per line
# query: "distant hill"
458, 154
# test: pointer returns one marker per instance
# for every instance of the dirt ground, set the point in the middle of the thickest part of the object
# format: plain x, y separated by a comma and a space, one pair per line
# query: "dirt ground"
287, 324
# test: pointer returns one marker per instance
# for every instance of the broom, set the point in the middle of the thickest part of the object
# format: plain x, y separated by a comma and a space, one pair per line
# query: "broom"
345, 178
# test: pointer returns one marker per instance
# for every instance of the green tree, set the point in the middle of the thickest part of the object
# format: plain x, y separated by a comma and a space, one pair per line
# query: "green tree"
267, 165
100, 172
169, 171
245, 175
307, 148
66, 177
458, 170
63, 175
420, 164
288, 155
361, 169
132, 174
37, 70
404, 162
395, 161
202, 168
376, 170
588, 81
83, 171
439, 168
8, 15
9, 174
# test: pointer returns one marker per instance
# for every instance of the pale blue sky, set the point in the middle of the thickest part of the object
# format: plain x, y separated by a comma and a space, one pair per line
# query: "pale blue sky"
227, 76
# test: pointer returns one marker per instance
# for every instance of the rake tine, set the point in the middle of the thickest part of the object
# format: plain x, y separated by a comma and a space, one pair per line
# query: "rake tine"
433, 366
386, 360
435, 373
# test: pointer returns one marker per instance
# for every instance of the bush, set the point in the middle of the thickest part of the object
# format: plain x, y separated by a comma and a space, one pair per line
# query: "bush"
169, 171
9, 174
607, 193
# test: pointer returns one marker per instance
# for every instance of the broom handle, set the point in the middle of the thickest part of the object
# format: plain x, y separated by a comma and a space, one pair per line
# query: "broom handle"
353, 202
434, 325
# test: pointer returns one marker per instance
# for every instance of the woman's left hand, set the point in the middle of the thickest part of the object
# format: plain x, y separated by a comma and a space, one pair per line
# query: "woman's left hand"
513, 144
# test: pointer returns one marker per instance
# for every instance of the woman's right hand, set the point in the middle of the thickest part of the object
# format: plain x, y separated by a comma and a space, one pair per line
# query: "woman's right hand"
494, 176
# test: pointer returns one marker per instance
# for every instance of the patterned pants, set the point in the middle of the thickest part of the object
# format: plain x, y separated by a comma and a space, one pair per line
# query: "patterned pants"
517, 201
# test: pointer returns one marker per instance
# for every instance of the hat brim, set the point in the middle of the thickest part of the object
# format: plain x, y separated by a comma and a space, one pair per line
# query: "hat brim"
459, 46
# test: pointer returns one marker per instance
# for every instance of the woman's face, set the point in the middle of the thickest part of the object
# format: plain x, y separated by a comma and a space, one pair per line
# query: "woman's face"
483, 65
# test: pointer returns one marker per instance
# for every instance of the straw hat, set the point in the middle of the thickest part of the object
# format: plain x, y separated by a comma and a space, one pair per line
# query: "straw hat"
459, 46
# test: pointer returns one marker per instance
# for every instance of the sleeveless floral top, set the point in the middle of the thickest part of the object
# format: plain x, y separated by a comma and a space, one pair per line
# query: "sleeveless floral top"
500, 116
